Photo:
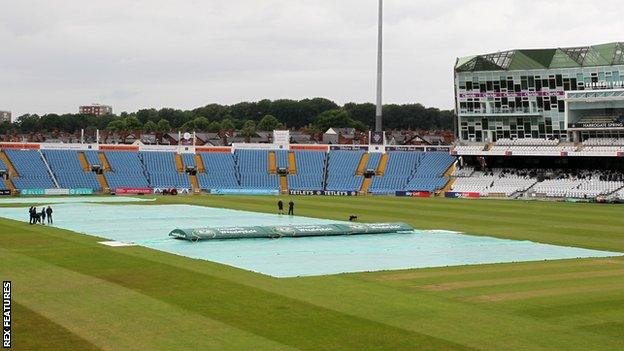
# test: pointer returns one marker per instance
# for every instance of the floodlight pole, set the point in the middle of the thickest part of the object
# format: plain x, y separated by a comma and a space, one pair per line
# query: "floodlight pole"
379, 111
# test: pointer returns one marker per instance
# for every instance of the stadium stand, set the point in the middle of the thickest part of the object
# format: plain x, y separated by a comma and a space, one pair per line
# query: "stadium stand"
126, 170
162, 172
341, 169
527, 142
189, 160
68, 171
253, 169
93, 158
373, 161
220, 171
413, 171
281, 158
498, 181
310, 166
31, 168
584, 184
398, 171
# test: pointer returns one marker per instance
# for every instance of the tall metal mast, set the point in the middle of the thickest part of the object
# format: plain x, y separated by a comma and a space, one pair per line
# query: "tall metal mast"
379, 111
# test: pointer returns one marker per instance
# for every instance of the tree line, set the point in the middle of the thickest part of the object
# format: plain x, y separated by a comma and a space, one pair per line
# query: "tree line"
315, 115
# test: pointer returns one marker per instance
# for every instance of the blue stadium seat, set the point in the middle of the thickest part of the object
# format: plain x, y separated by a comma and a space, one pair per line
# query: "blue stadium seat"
310, 171
341, 169
32, 171
189, 160
126, 170
220, 171
254, 170
69, 173
162, 172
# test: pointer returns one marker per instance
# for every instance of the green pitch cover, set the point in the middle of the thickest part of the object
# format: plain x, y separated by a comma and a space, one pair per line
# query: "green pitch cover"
288, 231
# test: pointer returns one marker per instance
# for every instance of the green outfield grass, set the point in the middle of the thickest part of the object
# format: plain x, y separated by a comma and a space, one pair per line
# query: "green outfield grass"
71, 293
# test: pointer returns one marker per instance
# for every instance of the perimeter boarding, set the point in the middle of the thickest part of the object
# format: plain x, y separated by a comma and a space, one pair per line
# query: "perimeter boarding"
289, 231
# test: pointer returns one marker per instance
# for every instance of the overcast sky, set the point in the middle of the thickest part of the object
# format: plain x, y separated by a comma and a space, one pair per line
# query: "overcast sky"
56, 55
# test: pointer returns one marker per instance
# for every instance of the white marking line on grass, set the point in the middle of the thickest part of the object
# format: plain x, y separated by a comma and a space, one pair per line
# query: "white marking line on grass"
115, 244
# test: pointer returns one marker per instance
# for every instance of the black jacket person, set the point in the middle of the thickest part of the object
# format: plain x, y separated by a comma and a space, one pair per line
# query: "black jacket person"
31, 213
49, 213
291, 208
280, 207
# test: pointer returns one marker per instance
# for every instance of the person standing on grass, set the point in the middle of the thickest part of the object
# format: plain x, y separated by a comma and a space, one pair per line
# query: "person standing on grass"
280, 207
291, 208
43, 215
31, 212
49, 213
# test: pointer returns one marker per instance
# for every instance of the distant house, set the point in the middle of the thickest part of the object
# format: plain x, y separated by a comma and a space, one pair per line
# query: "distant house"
336, 135
148, 139
300, 138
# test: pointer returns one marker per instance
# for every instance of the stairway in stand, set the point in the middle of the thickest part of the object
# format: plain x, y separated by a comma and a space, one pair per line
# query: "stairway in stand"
365, 186
83, 162
179, 163
272, 163
104, 161
284, 184
362, 165
292, 163
383, 164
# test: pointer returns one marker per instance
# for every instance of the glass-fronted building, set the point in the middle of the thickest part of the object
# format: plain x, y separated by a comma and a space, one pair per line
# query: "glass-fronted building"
531, 94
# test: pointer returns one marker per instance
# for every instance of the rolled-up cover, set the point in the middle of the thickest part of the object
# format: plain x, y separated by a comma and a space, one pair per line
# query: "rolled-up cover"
289, 231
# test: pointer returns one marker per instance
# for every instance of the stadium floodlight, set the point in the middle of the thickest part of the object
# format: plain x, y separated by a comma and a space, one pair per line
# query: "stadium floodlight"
379, 111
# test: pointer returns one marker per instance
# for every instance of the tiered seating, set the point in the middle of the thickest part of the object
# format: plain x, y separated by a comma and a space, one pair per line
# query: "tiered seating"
68, 171
4, 168
93, 158
281, 158
527, 142
189, 160
604, 142
254, 170
465, 171
477, 183
400, 167
33, 173
469, 149
341, 169
510, 185
602, 146
220, 172
576, 188
429, 172
310, 171
496, 182
161, 168
433, 164
373, 160
127, 170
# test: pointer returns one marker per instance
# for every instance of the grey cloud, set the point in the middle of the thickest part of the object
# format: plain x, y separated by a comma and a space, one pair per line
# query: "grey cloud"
57, 55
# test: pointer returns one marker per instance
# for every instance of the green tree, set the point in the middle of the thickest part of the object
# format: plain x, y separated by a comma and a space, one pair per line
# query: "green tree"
150, 127
201, 124
214, 127
269, 123
337, 118
227, 125
163, 126
133, 123
188, 126
248, 130
117, 126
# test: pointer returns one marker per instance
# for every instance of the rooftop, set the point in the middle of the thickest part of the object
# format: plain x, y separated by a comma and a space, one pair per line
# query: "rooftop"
530, 59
